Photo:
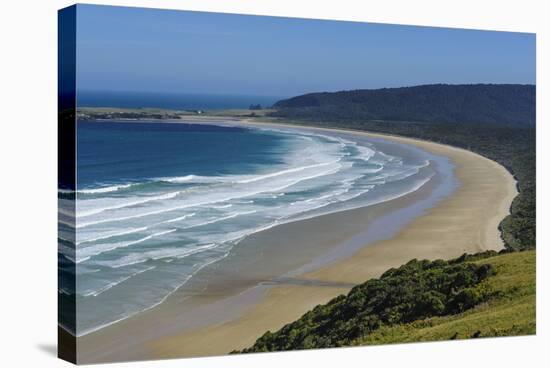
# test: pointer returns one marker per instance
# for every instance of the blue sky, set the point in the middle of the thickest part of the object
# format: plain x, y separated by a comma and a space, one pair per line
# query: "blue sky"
149, 50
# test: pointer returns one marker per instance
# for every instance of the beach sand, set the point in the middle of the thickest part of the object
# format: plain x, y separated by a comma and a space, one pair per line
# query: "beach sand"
466, 222
234, 314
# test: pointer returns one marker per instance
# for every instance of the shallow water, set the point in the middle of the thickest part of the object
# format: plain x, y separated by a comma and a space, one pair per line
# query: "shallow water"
158, 202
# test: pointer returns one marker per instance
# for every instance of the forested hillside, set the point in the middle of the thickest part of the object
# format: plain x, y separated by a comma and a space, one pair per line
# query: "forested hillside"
502, 104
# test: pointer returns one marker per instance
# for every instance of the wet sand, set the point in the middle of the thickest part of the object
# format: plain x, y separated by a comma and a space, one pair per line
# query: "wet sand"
467, 221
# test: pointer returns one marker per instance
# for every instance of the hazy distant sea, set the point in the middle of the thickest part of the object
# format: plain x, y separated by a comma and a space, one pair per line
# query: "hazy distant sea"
176, 101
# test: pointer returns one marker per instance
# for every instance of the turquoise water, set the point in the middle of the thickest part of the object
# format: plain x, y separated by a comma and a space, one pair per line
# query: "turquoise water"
157, 202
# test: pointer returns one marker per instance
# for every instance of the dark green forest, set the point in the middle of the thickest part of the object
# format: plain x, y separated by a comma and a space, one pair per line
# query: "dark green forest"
502, 104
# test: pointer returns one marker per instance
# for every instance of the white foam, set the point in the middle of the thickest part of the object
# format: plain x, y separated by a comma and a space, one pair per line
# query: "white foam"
194, 179
86, 253
222, 206
112, 234
179, 218
284, 172
219, 219
216, 196
365, 153
399, 174
115, 283
66, 207
117, 203
109, 189
67, 251
65, 191
69, 223
141, 257
80, 225
294, 182
414, 188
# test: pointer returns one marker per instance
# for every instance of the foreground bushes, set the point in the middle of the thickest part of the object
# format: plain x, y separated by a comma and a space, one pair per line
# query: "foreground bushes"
415, 291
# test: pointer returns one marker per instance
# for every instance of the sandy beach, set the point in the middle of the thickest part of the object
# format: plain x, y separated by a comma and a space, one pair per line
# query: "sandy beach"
465, 222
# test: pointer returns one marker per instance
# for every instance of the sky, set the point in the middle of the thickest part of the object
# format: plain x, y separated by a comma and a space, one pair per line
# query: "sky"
168, 51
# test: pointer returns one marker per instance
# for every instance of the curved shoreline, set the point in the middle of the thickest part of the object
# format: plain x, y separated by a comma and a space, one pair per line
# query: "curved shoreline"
466, 222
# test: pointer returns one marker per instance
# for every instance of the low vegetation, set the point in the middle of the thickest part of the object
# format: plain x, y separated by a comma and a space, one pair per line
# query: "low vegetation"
483, 295
125, 114
510, 312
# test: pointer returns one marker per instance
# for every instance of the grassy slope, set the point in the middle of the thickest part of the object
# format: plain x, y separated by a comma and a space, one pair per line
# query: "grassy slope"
507, 308
511, 312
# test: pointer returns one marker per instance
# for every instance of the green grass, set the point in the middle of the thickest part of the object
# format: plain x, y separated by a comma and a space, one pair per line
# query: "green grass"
483, 295
510, 311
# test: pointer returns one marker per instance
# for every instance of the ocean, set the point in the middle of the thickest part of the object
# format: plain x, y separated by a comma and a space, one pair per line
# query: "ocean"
175, 101
157, 202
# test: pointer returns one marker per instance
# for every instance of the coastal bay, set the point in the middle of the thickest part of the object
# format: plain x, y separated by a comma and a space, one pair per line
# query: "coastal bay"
466, 221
